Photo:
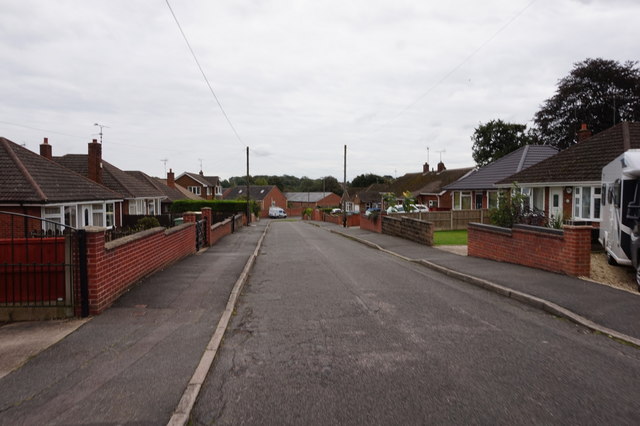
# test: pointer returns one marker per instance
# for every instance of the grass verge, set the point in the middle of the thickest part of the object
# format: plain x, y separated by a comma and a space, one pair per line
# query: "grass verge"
450, 238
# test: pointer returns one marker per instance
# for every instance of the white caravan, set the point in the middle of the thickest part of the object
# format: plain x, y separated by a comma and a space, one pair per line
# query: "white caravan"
620, 215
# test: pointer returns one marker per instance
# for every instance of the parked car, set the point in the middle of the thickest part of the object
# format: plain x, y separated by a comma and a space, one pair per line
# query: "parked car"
372, 210
336, 211
277, 212
395, 209
420, 208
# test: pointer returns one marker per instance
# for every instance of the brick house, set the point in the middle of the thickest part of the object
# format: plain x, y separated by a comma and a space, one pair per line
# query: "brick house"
37, 186
427, 187
265, 195
477, 189
312, 199
140, 198
168, 187
207, 187
568, 184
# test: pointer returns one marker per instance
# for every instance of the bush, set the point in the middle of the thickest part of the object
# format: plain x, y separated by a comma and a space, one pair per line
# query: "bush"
229, 206
147, 222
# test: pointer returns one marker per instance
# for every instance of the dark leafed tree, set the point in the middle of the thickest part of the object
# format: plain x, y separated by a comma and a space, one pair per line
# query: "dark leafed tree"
496, 139
364, 180
597, 92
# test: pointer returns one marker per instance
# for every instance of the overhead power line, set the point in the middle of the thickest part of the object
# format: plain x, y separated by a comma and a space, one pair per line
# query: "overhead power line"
195, 58
463, 62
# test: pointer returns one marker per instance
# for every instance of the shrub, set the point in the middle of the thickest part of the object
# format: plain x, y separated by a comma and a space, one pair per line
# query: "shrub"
147, 222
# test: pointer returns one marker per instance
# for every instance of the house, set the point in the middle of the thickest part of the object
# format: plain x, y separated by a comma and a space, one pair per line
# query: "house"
265, 195
37, 186
140, 198
312, 199
167, 187
477, 190
207, 187
568, 184
427, 187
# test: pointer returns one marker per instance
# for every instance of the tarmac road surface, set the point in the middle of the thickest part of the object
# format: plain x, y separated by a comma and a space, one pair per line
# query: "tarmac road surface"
332, 332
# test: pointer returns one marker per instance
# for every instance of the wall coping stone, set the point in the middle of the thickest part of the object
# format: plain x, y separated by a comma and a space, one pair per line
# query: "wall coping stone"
493, 228
540, 229
133, 237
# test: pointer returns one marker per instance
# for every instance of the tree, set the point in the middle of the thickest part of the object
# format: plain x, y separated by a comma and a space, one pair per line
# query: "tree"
496, 139
362, 181
597, 92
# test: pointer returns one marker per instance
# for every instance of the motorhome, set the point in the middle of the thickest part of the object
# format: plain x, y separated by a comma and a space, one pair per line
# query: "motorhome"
620, 215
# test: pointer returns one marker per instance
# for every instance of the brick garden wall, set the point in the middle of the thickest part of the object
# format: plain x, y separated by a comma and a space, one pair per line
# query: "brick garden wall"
566, 251
113, 267
373, 224
416, 230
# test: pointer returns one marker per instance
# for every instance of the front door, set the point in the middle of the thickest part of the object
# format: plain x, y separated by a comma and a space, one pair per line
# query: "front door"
555, 203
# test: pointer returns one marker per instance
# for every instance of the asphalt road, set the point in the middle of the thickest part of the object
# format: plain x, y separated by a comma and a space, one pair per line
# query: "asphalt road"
331, 332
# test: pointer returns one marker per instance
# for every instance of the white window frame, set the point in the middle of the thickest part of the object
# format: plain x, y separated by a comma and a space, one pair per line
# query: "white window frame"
497, 199
586, 210
460, 195
195, 189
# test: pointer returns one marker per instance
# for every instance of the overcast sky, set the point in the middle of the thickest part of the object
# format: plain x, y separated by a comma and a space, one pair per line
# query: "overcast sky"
297, 79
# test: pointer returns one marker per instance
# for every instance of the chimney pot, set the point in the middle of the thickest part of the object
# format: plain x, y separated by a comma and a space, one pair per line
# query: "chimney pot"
441, 167
425, 168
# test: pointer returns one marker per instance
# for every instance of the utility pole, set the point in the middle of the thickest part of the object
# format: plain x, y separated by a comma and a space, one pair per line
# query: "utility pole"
248, 193
344, 190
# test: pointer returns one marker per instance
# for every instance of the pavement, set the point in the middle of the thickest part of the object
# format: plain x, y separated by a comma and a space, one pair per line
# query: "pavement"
135, 362
66, 370
601, 308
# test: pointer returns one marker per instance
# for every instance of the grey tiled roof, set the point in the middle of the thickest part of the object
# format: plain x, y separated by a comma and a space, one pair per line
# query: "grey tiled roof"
203, 180
583, 161
257, 192
306, 197
112, 177
520, 159
27, 177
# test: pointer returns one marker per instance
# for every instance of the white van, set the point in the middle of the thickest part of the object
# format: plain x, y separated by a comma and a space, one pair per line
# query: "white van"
277, 212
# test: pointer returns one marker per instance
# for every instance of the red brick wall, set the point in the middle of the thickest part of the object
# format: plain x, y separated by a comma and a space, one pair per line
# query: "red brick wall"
352, 220
371, 224
276, 198
14, 226
295, 211
113, 267
567, 251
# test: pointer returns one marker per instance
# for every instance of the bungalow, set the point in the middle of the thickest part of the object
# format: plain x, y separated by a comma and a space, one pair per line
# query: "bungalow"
207, 187
168, 187
568, 184
35, 185
312, 199
140, 198
477, 190
265, 195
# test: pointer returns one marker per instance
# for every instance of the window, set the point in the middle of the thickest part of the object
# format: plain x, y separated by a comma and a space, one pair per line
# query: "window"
478, 200
208, 190
109, 215
70, 215
98, 214
492, 198
537, 198
462, 200
218, 190
195, 189
433, 203
53, 214
586, 202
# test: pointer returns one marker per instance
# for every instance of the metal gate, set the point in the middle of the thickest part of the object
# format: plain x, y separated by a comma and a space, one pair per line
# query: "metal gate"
43, 268
201, 235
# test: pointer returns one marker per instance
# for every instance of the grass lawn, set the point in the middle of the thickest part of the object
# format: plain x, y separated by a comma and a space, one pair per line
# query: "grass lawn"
450, 238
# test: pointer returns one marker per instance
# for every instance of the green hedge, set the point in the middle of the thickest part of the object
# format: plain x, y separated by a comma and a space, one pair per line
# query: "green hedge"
231, 206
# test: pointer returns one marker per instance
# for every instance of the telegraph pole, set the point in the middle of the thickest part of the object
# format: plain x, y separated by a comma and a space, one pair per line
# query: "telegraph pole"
344, 190
248, 193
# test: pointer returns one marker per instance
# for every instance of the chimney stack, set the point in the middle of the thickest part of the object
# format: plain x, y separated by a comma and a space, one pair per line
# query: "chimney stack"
95, 162
171, 181
441, 167
45, 149
583, 133
425, 168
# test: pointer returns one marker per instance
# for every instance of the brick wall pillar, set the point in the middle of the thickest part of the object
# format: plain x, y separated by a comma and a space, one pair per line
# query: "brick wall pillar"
577, 250
96, 271
189, 217
208, 215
